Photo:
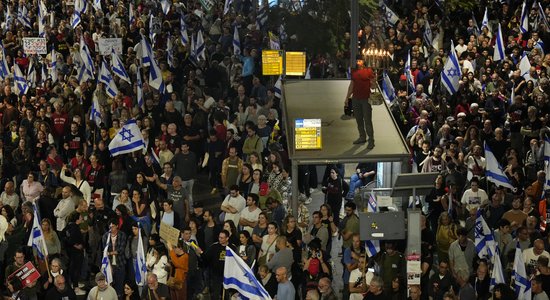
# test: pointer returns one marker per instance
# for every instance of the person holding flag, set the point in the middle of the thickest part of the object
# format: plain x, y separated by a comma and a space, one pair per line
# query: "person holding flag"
359, 93
114, 242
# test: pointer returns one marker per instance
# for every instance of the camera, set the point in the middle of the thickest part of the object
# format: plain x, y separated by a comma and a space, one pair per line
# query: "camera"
314, 254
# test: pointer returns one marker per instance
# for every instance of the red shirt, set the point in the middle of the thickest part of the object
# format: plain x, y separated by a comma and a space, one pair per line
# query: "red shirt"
361, 83
59, 121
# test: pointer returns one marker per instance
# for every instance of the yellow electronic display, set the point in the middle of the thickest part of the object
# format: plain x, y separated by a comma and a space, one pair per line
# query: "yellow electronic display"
272, 62
307, 134
295, 63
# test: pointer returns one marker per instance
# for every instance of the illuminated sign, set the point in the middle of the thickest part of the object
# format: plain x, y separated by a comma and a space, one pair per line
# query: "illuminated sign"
295, 63
307, 134
272, 62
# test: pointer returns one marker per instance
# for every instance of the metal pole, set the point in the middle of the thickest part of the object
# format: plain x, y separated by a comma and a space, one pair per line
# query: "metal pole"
295, 191
353, 32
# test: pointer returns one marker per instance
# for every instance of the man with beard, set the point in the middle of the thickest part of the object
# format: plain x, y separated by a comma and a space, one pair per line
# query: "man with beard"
434, 163
74, 142
61, 291
102, 290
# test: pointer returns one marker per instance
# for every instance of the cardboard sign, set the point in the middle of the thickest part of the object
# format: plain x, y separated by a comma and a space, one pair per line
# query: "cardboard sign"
27, 274
34, 46
106, 44
169, 233
384, 201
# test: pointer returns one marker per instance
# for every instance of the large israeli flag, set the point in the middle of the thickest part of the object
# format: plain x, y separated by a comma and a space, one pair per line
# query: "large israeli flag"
148, 59
36, 239
106, 263
118, 67
23, 16
483, 238
200, 50
4, 68
238, 275
450, 76
42, 13
128, 139
95, 112
21, 85
494, 171
499, 53
106, 78
524, 20
140, 268
521, 281
86, 57
390, 16
387, 89
261, 16
428, 36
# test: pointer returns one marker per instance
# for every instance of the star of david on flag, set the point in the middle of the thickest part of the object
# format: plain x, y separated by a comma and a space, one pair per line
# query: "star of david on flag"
127, 140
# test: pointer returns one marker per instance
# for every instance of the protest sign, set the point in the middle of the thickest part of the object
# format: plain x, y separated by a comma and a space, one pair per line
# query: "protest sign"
106, 44
34, 45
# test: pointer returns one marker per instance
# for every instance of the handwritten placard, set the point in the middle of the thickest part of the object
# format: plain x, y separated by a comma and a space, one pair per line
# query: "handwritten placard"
34, 45
106, 44
169, 233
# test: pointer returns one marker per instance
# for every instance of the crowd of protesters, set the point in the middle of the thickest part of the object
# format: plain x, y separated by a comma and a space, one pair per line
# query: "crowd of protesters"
220, 113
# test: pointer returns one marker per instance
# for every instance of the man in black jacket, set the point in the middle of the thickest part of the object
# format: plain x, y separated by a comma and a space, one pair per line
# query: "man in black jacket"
61, 291
215, 260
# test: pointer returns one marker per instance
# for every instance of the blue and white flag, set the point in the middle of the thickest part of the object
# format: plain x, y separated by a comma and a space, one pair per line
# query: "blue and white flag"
140, 267
521, 281
494, 171
95, 112
53, 69
23, 16
483, 237
36, 239
497, 276
524, 20
86, 57
131, 13
485, 21
118, 67
282, 33
106, 263
165, 5
238, 275
408, 71
148, 59
106, 78
183, 32
524, 66
542, 17
499, 53
512, 94
42, 13
261, 16
391, 17
200, 50
227, 6
372, 246
4, 68
31, 74
192, 54
387, 89
97, 5
547, 163
450, 76
236, 42
21, 85
128, 139
428, 36
308, 73
277, 88
169, 51
140, 100
8, 17
152, 33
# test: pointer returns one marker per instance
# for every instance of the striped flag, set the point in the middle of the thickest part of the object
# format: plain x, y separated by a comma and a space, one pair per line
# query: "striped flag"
140, 101
105, 262
372, 246
95, 112
476, 27
499, 53
261, 16
227, 6
97, 5
165, 5
53, 69
23, 16
183, 32
542, 17
390, 16
86, 57
152, 33
547, 163
118, 67
36, 239
485, 21
278, 88
497, 275
408, 71
169, 51
8, 16
512, 94
106, 78
387, 88
4, 68
484, 238
42, 13
127, 140
524, 66
236, 42
155, 77
131, 13
140, 267
521, 281
200, 50
524, 20
274, 43
428, 36
21, 85
494, 171
450, 76
238, 275
31, 74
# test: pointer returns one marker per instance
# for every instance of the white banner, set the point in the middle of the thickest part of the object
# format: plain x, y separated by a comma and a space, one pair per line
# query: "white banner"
34, 46
106, 44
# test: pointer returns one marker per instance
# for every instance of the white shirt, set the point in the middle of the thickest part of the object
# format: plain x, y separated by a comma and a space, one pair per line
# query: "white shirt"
251, 216
61, 211
354, 278
474, 200
237, 203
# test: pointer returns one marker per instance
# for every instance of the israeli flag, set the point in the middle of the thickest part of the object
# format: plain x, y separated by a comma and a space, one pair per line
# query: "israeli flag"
23, 16
200, 50
140, 101
97, 5
127, 140
278, 88
95, 112
31, 74
118, 67
372, 246
238, 275
106, 78
484, 239
140, 268
547, 163
227, 6
192, 54
165, 5
261, 16
494, 171
524, 66
42, 13
169, 51
387, 89
8, 17
521, 281
236, 42
450, 76
53, 69
512, 94
106, 263
36, 239
428, 36
152, 34
4, 68
524, 21
131, 13
183, 32
155, 77
499, 53
497, 276
86, 58
20, 82
485, 21
408, 71
391, 17
542, 17
308, 73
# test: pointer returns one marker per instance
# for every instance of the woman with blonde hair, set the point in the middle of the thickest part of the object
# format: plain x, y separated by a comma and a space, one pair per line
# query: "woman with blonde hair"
446, 234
